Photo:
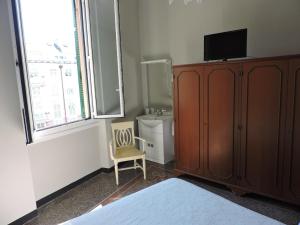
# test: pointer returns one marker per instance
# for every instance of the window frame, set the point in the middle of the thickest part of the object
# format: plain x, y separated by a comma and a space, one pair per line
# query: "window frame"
89, 58
84, 36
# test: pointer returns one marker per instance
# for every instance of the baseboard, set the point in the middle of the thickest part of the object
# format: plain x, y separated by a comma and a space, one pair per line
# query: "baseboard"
25, 218
107, 170
56, 194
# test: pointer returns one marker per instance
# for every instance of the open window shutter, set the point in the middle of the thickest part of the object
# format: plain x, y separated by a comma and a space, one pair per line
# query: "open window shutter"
105, 59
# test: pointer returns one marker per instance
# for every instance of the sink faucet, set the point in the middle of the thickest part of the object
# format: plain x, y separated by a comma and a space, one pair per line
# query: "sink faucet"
160, 112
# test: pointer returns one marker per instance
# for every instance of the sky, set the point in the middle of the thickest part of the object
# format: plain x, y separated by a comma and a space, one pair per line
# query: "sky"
46, 21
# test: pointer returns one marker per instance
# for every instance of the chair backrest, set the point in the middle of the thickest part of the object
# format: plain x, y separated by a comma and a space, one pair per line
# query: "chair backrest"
123, 134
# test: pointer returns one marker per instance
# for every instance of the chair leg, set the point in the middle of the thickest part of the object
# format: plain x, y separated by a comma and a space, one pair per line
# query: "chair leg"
135, 164
117, 173
144, 168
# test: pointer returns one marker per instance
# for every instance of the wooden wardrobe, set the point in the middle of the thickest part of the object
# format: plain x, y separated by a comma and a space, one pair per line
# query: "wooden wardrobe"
238, 123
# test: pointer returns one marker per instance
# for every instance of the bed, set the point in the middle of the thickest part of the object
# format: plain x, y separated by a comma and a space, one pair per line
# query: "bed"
175, 202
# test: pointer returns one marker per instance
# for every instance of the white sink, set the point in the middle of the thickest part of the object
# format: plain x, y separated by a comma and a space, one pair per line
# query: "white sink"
155, 117
157, 131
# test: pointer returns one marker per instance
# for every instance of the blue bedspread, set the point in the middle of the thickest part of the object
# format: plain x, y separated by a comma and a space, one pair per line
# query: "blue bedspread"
174, 202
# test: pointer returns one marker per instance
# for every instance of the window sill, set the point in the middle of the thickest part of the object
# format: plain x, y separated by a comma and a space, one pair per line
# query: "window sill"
57, 132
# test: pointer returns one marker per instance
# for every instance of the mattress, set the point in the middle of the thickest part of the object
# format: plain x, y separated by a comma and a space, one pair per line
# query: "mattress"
174, 202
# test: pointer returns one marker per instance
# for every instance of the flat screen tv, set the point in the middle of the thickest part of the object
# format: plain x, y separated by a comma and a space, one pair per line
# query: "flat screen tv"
226, 45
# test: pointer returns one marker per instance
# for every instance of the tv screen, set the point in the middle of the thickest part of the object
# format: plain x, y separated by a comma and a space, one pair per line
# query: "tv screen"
227, 45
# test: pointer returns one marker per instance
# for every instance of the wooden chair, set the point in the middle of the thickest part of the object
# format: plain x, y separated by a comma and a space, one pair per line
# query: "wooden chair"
123, 147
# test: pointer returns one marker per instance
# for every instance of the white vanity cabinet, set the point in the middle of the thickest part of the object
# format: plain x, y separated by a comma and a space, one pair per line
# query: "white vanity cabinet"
157, 131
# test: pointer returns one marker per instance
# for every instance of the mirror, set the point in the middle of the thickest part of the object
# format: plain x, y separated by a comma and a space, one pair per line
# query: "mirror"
157, 83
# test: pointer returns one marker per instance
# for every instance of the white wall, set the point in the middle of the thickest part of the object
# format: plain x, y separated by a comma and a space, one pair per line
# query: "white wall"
61, 161
178, 30
16, 188
154, 29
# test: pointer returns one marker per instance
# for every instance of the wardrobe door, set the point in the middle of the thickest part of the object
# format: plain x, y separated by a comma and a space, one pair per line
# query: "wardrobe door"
263, 124
292, 157
188, 103
221, 121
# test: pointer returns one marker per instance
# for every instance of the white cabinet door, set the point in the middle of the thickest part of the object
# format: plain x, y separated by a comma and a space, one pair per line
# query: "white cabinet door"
154, 137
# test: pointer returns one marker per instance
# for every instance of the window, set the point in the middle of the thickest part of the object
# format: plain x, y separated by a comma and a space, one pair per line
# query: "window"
71, 61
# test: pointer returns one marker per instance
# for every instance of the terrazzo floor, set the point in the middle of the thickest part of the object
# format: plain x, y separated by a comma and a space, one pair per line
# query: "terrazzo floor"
102, 189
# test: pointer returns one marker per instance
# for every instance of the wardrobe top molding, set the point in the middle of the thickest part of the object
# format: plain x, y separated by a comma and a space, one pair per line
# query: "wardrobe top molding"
235, 61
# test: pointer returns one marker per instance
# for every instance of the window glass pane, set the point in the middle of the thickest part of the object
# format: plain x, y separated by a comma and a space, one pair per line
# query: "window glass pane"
106, 57
53, 62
